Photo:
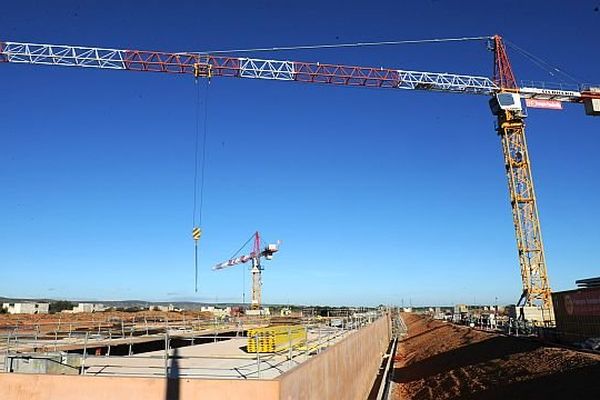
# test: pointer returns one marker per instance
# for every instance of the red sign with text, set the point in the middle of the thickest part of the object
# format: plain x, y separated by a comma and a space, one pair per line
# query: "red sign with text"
546, 104
586, 302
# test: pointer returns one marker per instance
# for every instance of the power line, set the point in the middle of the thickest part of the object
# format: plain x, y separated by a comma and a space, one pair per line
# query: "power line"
345, 45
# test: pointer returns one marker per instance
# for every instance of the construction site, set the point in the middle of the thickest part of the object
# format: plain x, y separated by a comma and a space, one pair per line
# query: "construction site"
286, 334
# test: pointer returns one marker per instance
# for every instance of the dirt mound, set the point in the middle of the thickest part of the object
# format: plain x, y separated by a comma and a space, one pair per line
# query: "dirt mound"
439, 360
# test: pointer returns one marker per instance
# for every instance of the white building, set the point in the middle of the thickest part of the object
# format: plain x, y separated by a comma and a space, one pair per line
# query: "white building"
461, 308
27, 308
217, 312
168, 308
258, 313
89, 307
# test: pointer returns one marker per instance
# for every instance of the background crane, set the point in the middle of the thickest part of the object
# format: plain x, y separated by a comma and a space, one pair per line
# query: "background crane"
254, 256
502, 87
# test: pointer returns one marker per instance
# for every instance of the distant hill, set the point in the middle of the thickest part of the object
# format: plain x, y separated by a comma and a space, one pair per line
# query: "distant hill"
184, 305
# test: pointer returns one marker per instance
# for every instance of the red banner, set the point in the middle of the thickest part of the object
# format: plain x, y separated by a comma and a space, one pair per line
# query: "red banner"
546, 104
586, 302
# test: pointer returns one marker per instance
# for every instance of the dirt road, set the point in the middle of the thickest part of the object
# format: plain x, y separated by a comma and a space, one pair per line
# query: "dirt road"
439, 360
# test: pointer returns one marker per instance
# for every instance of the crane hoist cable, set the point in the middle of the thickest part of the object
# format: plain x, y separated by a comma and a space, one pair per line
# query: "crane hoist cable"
243, 269
243, 247
199, 197
343, 45
551, 69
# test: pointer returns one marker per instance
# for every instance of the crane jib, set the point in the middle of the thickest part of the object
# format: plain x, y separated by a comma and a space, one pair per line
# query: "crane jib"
187, 63
206, 65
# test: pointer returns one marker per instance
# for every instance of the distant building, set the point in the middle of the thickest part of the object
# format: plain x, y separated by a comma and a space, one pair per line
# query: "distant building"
26, 308
285, 311
260, 312
168, 308
217, 312
461, 309
88, 307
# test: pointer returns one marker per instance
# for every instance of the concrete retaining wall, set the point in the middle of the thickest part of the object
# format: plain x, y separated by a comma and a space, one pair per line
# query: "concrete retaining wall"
346, 371
63, 387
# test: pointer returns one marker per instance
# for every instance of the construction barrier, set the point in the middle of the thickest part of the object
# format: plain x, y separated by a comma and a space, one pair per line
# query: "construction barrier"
275, 338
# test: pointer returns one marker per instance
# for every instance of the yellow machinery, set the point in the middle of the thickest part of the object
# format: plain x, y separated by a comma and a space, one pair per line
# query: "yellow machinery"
532, 261
273, 339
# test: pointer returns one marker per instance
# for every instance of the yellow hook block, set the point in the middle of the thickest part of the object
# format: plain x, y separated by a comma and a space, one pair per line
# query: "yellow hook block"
196, 233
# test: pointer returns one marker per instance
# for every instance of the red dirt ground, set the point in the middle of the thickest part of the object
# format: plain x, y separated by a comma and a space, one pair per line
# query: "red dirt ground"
49, 322
439, 360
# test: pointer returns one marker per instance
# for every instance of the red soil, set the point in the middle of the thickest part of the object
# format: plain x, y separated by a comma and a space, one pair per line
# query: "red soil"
439, 360
51, 322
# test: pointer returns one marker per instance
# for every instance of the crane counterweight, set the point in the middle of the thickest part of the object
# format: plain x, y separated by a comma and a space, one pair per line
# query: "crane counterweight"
592, 104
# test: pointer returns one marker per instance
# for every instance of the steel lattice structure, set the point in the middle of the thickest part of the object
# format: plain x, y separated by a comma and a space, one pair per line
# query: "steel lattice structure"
503, 74
511, 127
532, 260
253, 68
206, 65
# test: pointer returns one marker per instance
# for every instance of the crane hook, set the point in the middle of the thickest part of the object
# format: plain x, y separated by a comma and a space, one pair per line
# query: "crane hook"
196, 233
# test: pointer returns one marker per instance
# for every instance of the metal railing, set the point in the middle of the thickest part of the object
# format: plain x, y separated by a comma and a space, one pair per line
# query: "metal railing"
100, 343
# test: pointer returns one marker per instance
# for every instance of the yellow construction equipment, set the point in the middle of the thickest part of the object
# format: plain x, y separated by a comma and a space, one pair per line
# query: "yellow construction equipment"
273, 339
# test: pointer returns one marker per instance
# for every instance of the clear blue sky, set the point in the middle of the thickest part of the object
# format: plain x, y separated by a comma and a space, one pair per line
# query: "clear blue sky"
377, 195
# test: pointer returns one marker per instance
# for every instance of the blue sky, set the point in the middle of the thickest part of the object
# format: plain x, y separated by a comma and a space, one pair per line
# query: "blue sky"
379, 196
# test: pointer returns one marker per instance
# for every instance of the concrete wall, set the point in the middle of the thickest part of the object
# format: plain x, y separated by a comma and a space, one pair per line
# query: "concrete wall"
344, 371
63, 387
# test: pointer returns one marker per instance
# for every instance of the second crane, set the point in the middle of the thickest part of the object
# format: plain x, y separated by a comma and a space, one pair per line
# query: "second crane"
254, 256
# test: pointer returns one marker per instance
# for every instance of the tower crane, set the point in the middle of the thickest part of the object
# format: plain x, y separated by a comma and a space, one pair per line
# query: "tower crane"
502, 88
257, 268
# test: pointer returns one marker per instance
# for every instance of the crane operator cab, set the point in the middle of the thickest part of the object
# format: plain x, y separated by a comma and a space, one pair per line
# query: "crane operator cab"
506, 101
270, 249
